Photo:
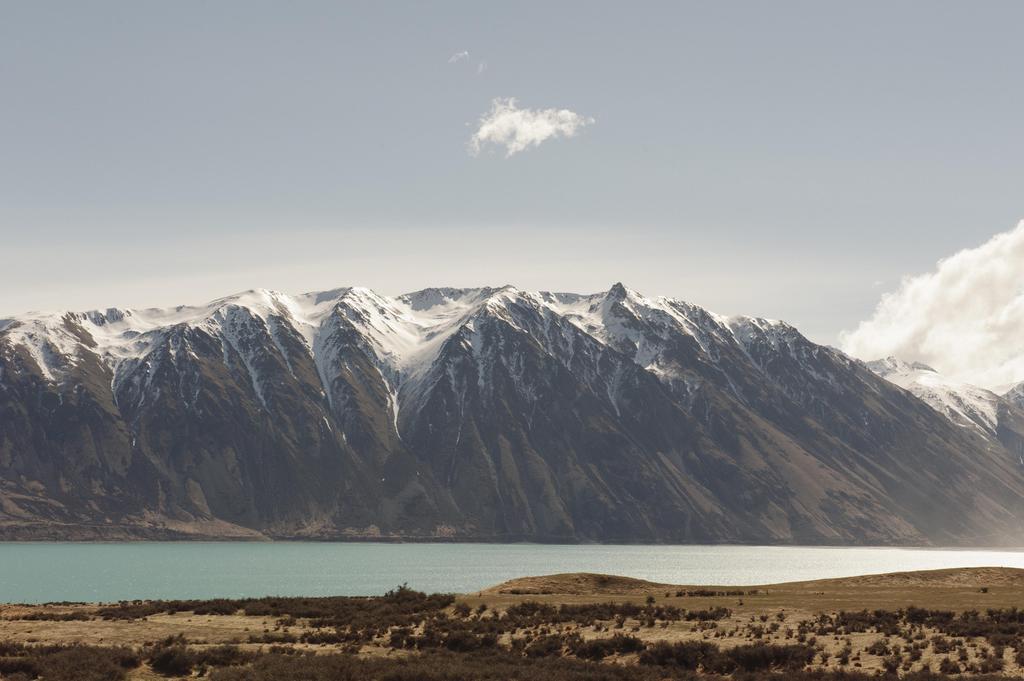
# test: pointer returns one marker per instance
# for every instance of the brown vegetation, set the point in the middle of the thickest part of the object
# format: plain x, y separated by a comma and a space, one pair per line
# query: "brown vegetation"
640, 631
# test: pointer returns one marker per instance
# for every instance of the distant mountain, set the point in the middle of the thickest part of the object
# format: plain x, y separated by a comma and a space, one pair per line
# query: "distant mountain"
1015, 395
478, 414
962, 403
997, 417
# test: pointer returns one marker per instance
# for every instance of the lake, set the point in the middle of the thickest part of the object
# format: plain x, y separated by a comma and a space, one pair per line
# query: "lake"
41, 572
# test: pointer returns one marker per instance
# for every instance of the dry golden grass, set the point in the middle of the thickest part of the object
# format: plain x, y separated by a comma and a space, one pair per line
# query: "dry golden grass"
955, 589
789, 604
203, 629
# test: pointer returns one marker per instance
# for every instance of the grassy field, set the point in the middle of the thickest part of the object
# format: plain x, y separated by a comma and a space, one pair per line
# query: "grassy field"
577, 626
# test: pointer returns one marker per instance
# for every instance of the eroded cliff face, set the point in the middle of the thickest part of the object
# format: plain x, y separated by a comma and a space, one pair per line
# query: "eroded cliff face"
476, 414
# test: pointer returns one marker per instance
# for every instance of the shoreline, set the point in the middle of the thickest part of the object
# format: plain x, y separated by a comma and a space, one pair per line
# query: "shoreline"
491, 541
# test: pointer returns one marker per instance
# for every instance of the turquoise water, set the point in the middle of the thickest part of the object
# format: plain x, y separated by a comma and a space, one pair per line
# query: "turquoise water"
41, 572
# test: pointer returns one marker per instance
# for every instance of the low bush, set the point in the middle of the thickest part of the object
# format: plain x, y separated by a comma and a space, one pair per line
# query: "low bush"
600, 648
401, 606
701, 655
66, 663
172, 661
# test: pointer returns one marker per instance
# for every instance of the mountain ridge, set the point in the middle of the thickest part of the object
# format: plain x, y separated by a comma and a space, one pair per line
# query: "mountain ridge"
479, 413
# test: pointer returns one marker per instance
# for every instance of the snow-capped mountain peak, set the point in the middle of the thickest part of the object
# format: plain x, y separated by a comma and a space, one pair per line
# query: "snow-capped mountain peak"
965, 404
893, 366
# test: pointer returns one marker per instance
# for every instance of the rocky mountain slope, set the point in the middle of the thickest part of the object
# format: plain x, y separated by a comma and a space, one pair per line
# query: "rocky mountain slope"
487, 413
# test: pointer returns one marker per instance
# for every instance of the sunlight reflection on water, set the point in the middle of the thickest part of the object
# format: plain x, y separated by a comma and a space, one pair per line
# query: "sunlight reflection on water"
40, 572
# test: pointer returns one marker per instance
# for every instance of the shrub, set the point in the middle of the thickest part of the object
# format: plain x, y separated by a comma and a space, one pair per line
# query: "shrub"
879, 647
760, 656
172, 661
67, 663
600, 648
684, 654
545, 646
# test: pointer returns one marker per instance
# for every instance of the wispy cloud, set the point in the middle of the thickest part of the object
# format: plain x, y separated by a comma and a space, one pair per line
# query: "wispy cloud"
481, 67
518, 129
965, 318
458, 56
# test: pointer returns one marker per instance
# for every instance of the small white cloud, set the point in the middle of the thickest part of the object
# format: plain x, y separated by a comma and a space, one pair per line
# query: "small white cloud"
518, 129
458, 56
965, 318
481, 67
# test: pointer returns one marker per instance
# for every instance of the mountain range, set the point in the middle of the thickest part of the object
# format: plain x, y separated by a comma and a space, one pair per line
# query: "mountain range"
488, 414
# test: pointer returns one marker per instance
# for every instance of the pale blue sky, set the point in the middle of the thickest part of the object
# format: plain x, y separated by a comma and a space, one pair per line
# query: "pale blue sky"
785, 159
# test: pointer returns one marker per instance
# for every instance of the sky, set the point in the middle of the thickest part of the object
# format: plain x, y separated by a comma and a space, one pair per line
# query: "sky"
792, 160
964, 318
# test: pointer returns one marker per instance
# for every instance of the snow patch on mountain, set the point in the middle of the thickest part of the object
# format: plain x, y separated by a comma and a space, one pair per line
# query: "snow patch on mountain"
48, 339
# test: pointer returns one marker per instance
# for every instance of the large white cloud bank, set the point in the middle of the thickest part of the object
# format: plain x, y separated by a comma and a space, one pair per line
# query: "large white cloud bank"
507, 125
966, 318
